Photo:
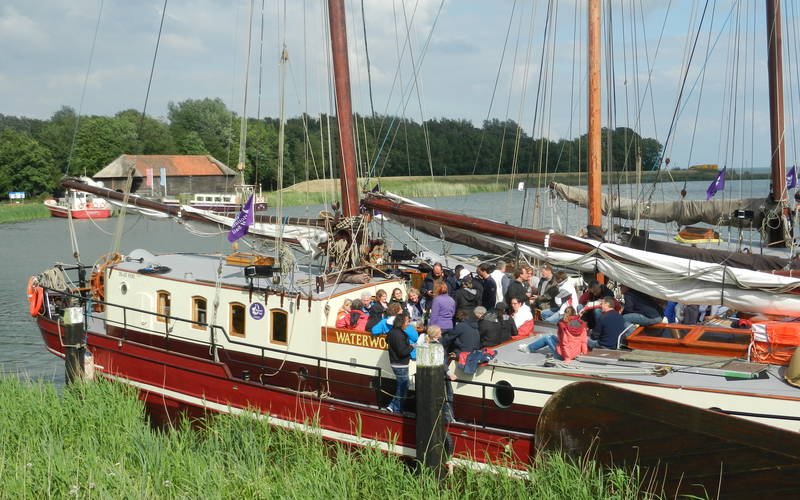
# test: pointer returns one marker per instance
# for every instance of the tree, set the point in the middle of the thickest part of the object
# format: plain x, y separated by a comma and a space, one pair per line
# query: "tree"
25, 165
56, 135
209, 118
192, 144
100, 140
155, 137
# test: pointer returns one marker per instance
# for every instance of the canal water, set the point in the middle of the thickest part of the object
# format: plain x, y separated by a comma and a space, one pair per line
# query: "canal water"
27, 248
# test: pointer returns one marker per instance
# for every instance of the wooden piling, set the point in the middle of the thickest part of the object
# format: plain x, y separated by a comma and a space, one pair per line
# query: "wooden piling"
430, 396
74, 346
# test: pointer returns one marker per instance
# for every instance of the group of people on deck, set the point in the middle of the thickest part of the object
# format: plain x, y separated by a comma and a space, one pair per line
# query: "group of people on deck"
466, 312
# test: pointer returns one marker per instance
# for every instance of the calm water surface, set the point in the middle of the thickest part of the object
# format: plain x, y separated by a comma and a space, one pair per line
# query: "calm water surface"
27, 248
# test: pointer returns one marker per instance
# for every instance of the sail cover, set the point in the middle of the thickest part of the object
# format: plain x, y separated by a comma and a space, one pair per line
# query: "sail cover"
683, 212
663, 276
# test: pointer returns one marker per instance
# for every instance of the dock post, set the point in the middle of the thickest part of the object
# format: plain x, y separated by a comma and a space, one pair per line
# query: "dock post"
74, 346
430, 395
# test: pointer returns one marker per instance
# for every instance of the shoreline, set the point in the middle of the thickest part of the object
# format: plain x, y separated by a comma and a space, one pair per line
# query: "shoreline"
323, 191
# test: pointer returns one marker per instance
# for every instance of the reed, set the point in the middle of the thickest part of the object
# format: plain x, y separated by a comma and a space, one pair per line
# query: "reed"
13, 212
93, 441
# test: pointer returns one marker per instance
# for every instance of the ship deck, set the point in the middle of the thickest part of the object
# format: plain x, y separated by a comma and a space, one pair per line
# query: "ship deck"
203, 268
690, 371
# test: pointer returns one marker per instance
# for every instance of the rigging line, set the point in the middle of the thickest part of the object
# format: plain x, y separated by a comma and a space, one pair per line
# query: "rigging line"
495, 86
83, 91
415, 66
686, 73
233, 90
702, 85
258, 105
243, 125
794, 64
366, 52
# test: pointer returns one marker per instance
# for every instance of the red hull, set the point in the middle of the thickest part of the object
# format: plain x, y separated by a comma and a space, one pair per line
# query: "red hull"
190, 383
89, 213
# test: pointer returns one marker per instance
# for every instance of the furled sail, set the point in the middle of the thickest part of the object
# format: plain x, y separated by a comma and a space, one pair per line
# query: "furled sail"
683, 212
663, 276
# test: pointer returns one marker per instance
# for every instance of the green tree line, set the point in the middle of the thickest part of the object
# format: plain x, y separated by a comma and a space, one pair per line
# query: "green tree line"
35, 154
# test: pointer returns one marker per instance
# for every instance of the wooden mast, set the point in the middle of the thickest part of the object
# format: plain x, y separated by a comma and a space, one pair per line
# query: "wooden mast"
593, 105
777, 149
344, 109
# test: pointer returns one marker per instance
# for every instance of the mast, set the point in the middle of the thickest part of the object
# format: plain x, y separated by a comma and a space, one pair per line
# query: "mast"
777, 149
344, 110
593, 105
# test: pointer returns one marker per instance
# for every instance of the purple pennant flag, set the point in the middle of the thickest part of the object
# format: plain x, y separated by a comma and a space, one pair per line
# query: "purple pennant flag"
717, 184
243, 221
791, 178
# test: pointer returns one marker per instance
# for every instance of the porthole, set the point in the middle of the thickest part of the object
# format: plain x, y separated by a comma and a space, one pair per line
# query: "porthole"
503, 394
123, 288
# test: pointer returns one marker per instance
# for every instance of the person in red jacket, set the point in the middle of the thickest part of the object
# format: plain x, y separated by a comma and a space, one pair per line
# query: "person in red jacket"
571, 339
343, 316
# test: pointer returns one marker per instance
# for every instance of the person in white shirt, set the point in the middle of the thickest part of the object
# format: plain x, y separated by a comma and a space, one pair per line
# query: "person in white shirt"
521, 312
567, 296
501, 280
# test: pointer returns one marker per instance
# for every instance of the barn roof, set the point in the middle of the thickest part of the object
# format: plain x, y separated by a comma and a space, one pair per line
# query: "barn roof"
175, 165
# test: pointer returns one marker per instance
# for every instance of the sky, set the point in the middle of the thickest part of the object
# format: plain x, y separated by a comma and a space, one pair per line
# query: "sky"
466, 59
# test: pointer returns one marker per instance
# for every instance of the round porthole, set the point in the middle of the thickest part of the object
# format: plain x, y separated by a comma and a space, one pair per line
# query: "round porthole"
503, 394
123, 288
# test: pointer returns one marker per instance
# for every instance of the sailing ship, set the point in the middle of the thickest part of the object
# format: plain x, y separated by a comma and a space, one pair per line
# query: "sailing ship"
246, 333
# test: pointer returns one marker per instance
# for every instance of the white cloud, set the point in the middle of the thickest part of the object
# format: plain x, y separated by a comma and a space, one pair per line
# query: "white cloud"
97, 79
183, 43
21, 29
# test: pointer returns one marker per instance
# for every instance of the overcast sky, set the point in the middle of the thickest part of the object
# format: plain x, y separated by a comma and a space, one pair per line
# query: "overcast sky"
456, 47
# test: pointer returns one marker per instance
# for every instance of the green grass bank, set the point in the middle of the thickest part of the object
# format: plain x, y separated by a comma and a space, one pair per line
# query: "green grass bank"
93, 441
13, 212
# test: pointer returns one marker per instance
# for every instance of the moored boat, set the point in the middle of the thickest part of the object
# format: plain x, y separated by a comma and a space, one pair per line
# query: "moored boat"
79, 205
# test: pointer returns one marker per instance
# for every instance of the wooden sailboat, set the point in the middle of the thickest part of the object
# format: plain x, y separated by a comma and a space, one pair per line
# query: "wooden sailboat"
207, 332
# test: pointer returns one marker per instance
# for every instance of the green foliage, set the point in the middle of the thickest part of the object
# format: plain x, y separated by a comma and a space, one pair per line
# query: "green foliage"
93, 441
30, 209
24, 164
210, 119
100, 140
387, 146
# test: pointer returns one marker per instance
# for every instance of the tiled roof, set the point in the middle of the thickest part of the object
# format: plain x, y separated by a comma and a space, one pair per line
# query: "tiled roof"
175, 165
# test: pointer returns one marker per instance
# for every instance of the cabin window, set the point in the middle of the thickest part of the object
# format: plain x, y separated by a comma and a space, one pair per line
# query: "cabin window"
740, 338
237, 319
217, 198
163, 305
199, 313
280, 326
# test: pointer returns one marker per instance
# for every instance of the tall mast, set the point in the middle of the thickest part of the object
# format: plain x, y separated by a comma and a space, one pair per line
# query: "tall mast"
593, 154
777, 149
344, 109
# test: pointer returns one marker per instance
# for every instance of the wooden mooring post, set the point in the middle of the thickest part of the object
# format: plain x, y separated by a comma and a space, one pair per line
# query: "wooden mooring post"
74, 346
430, 395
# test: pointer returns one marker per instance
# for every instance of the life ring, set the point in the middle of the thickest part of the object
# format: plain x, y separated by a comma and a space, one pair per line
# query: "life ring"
35, 297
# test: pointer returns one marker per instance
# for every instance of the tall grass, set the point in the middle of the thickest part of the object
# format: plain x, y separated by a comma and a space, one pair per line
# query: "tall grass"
12, 212
93, 441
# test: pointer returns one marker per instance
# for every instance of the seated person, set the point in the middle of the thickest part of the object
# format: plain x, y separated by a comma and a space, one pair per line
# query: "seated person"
640, 309
343, 316
590, 300
610, 327
570, 342
377, 310
565, 297
358, 316
523, 317
465, 336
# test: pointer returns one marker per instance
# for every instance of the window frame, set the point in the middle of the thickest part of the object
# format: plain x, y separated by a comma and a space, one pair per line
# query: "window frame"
272, 314
195, 311
167, 305
233, 332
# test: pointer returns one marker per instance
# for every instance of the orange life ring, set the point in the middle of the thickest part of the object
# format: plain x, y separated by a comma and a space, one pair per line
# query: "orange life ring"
35, 297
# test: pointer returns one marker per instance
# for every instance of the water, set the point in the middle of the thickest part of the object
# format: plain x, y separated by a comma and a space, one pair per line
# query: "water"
33, 246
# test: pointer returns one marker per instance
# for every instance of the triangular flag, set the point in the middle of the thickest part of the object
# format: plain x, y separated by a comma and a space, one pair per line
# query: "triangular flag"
243, 221
791, 178
718, 184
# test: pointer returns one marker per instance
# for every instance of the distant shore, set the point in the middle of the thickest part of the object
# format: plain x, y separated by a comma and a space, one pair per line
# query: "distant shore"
15, 212
324, 190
